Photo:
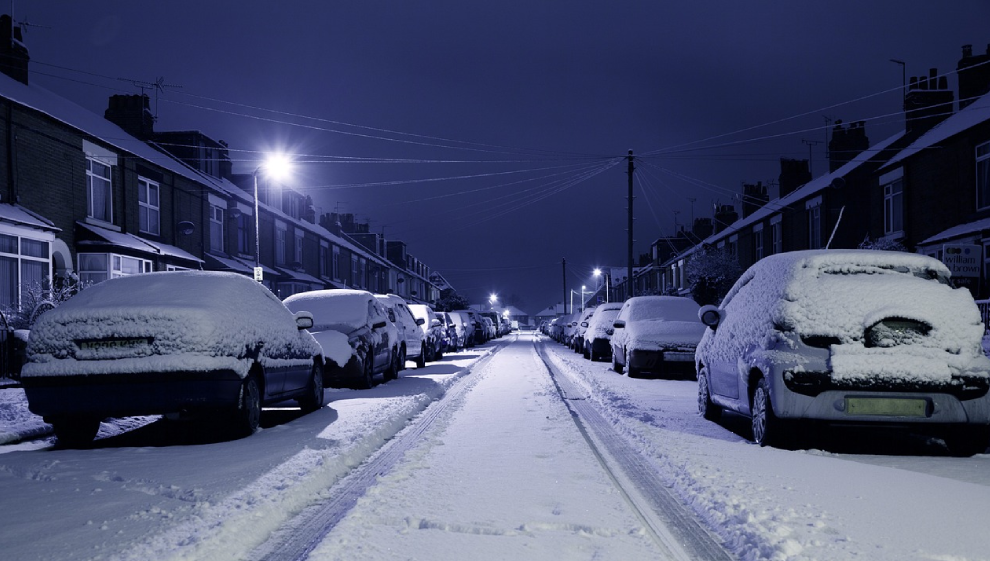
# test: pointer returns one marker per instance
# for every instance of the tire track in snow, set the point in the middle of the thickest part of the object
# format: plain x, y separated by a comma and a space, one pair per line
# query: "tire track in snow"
672, 526
297, 538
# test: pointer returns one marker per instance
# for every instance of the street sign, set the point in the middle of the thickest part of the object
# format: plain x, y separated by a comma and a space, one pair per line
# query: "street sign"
259, 274
963, 260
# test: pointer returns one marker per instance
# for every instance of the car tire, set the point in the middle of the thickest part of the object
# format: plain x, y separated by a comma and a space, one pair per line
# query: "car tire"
768, 429
615, 363
589, 353
706, 408
313, 400
967, 440
367, 379
392, 373
402, 361
75, 432
630, 371
421, 359
247, 416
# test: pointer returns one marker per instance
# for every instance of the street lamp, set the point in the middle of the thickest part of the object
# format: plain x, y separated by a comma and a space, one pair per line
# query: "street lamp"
582, 297
492, 298
598, 273
276, 166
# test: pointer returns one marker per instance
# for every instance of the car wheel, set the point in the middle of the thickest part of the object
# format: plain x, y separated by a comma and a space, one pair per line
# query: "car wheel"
402, 360
247, 416
589, 353
615, 362
706, 408
393, 369
768, 429
632, 372
421, 359
367, 379
313, 400
967, 440
74, 432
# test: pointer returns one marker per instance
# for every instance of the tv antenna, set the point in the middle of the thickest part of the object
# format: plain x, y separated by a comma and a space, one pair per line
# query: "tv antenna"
158, 86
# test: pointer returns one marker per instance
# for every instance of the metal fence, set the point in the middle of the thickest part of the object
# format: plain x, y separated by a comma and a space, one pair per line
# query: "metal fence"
11, 354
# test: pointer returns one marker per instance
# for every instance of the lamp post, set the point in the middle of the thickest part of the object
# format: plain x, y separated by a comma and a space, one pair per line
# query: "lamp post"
275, 165
582, 297
598, 273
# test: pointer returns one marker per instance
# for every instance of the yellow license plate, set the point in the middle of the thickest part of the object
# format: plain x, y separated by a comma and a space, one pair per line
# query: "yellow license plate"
887, 406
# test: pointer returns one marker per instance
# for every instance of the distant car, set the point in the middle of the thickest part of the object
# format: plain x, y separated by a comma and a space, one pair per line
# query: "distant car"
412, 347
352, 327
465, 327
451, 341
476, 333
577, 334
657, 334
169, 343
432, 330
598, 333
491, 332
849, 337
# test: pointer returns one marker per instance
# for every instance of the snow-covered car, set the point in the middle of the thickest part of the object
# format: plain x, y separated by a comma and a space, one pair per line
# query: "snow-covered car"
451, 341
853, 337
657, 334
169, 343
358, 340
432, 330
411, 345
577, 335
474, 330
598, 334
465, 327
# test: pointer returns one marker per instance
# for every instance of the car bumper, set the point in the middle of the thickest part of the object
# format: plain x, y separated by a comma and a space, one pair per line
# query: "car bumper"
657, 360
117, 395
335, 376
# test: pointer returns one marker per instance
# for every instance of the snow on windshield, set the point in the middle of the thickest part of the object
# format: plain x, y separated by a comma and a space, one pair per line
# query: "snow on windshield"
332, 309
670, 308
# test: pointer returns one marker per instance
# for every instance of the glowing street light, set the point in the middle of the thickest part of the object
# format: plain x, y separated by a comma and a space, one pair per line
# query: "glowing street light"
598, 273
276, 166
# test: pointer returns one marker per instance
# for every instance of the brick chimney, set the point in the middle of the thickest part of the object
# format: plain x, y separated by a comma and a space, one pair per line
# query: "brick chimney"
702, 228
973, 82
846, 143
14, 56
927, 103
724, 216
133, 114
793, 174
754, 197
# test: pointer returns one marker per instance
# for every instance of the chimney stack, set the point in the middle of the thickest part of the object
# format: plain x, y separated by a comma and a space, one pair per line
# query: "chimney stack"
14, 56
133, 114
974, 75
846, 143
754, 197
793, 174
927, 103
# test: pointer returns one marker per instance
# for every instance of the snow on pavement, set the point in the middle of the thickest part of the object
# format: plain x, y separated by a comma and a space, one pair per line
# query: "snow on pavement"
506, 475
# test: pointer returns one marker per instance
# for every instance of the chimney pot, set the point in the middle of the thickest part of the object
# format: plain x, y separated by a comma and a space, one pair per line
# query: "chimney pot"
967, 51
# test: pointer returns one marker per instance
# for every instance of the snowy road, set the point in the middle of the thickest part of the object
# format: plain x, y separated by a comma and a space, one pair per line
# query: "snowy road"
480, 454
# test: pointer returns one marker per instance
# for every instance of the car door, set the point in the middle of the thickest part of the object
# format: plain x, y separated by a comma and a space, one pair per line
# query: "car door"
731, 339
381, 348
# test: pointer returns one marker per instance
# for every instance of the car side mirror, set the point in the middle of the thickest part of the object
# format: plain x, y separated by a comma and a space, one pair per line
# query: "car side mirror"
584, 324
304, 320
435, 323
378, 324
711, 316
619, 324
420, 321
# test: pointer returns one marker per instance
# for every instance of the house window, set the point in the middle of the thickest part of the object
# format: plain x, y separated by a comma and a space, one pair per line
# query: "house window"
298, 247
216, 228
893, 202
336, 263
983, 175
758, 242
99, 190
25, 266
243, 234
324, 259
814, 224
98, 267
148, 206
281, 231
733, 247
776, 236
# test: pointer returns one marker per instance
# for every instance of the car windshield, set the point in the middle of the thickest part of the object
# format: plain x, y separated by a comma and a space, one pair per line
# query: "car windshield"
331, 309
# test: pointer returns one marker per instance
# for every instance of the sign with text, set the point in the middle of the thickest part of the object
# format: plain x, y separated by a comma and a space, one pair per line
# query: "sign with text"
259, 274
963, 260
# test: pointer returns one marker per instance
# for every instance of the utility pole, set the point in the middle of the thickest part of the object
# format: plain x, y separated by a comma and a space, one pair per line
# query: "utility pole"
563, 267
629, 279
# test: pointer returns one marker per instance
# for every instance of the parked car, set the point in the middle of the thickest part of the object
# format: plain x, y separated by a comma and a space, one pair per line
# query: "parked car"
577, 334
451, 340
353, 330
478, 334
490, 331
465, 327
169, 343
854, 337
410, 334
657, 334
432, 331
598, 333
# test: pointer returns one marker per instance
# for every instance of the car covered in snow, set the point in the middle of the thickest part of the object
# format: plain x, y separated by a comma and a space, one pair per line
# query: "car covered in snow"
598, 334
852, 337
184, 342
577, 336
358, 340
657, 334
433, 331
411, 337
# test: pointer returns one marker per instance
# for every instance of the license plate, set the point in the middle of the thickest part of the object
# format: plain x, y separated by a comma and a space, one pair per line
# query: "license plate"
113, 344
890, 407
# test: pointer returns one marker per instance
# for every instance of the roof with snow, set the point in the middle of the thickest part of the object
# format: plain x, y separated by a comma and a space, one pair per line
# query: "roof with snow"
973, 114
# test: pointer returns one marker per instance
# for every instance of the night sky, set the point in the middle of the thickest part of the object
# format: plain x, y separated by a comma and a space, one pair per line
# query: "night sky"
482, 133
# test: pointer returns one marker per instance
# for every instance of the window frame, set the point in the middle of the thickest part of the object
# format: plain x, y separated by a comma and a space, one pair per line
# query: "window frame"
146, 208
